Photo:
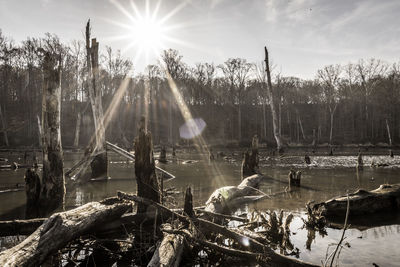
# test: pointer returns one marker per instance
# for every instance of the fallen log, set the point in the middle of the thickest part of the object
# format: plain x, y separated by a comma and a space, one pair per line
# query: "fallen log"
210, 227
168, 252
61, 228
226, 198
384, 198
20, 227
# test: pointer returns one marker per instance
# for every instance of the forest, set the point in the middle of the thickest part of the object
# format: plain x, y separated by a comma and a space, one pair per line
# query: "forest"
356, 103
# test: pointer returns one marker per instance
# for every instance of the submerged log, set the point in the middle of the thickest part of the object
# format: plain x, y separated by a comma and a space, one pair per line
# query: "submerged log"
226, 198
61, 228
384, 198
20, 227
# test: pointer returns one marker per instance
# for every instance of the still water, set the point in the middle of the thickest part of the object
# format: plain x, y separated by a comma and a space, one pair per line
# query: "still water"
373, 241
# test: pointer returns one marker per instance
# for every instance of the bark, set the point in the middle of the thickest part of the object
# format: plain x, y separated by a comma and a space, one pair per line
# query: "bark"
169, 252
61, 228
273, 104
100, 163
4, 127
53, 182
384, 198
77, 130
148, 185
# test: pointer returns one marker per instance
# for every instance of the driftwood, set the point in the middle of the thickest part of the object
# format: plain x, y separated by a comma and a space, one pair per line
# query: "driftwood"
168, 252
384, 198
60, 229
208, 227
228, 197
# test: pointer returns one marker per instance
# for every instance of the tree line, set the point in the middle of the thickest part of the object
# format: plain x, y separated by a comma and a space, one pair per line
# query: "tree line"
353, 103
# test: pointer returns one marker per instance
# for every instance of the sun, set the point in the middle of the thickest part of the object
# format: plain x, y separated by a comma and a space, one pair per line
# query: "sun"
147, 33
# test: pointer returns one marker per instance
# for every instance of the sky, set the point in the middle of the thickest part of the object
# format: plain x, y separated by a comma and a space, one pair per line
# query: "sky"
302, 35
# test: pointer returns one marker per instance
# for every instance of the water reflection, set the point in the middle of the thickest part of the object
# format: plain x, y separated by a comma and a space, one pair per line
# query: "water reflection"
317, 184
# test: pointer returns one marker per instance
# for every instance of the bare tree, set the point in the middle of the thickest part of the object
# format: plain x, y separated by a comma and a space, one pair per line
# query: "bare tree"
329, 77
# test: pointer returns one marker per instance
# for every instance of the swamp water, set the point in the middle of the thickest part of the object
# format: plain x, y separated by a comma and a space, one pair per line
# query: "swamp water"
373, 241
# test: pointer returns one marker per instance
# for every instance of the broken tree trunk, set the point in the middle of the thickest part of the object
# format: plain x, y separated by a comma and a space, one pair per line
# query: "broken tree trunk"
384, 198
229, 197
99, 164
53, 183
148, 184
273, 104
61, 228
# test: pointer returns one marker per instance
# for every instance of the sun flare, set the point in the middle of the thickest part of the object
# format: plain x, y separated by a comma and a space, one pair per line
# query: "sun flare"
147, 33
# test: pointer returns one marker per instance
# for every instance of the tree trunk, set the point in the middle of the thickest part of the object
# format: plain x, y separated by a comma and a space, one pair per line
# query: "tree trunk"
273, 104
61, 228
388, 132
77, 130
4, 126
40, 131
239, 122
53, 183
264, 121
148, 185
99, 165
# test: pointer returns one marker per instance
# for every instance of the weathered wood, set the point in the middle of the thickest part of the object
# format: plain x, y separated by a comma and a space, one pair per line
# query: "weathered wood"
61, 228
294, 178
168, 252
163, 155
148, 184
273, 104
99, 164
209, 227
384, 198
53, 183
223, 199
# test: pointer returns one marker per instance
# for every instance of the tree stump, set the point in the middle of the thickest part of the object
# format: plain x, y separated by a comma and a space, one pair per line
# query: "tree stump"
360, 163
148, 184
32, 189
99, 166
188, 206
294, 178
250, 160
163, 155
307, 159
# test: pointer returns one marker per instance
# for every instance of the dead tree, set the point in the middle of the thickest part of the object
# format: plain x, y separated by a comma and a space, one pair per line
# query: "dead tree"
53, 183
360, 163
99, 164
273, 104
148, 184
